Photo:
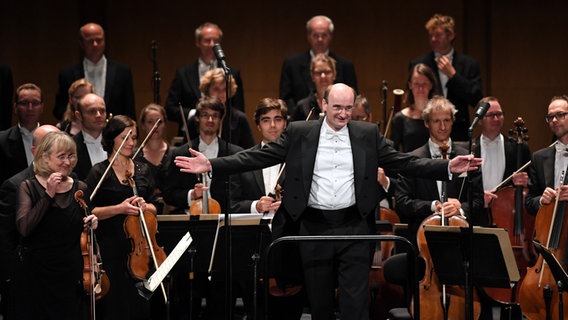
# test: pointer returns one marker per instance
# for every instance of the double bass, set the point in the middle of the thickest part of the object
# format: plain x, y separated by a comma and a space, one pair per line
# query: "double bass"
439, 301
539, 294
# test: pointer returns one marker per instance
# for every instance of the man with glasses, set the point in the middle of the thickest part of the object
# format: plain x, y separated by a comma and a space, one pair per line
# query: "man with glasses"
16, 142
183, 189
296, 81
330, 189
499, 154
549, 164
91, 112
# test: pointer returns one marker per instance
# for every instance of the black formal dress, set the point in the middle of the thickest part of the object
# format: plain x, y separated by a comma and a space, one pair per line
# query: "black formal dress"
122, 301
464, 89
296, 81
184, 90
304, 107
408, 134
297, 147
51, 252
119, 89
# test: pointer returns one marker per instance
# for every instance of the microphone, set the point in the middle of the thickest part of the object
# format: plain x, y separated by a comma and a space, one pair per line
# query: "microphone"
220, 55
479, 114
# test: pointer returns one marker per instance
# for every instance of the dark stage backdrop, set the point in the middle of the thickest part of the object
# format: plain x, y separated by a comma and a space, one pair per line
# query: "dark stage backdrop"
521, 45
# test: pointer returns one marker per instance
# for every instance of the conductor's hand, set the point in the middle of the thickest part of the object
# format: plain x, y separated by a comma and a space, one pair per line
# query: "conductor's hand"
465, 163
197, 164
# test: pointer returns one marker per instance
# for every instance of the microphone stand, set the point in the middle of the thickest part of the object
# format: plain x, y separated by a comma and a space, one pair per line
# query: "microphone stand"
155, 74
228, 232
468, 263
384, 91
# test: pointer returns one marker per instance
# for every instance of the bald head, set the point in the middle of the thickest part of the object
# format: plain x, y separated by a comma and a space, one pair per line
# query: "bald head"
39, 133
92, 41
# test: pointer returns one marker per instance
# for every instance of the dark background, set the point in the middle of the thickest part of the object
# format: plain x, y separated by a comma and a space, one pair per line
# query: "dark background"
520, 45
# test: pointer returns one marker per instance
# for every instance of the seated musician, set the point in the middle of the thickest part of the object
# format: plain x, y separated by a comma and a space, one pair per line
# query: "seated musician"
418, 198
182, 189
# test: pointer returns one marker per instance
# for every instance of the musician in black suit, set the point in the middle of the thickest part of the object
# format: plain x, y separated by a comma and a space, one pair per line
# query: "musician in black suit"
16, 141
9, 237
331, 189
295, 80
184, 89
91, 112
458, 75
258, 191
549, 163
6, 92
492, 146
181, 190
417, 198
111, 79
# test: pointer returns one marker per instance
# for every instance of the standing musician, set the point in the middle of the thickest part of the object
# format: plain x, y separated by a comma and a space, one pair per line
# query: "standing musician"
331, 187
547, 190
156, 152
9, 237
548, 163
50, 223
114, 201
323, 73
182, 190
458, 75
499, 153
417, 198
408, 130
258, 192
91, 112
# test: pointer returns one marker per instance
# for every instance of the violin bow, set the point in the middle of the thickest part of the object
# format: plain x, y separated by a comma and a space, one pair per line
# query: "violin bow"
110, 165
147, 138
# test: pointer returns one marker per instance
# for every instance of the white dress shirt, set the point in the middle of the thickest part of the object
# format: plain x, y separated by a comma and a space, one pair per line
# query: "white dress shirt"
333, 180
95, 73
493, 165
443, 77
95, 148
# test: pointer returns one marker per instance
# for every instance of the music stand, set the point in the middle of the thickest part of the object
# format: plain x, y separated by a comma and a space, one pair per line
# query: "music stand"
495, 263
557, 271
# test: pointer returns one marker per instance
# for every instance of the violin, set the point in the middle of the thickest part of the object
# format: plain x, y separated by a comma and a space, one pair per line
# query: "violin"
539, 294
95, 280
439, 301
206, 204
141, 230
508, 212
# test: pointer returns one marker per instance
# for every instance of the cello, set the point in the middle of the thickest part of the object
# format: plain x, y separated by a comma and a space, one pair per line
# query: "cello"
508, 212
439, 301
539, 295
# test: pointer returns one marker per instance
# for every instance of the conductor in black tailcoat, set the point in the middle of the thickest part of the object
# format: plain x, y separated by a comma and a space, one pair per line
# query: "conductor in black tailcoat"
331, 189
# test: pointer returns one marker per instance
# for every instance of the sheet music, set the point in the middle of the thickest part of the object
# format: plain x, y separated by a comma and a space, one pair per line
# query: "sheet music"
158, 276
